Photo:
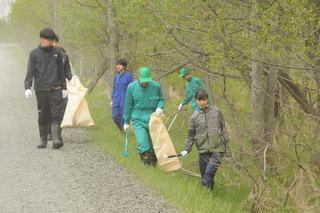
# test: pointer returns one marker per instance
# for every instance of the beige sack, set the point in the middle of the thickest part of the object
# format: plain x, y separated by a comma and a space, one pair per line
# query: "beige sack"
162, 144
77, 113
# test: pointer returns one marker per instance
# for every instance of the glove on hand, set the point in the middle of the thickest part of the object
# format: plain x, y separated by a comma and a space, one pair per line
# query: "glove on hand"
184, 153
126, 127
64, 93
179, 107
28, 93
159, 111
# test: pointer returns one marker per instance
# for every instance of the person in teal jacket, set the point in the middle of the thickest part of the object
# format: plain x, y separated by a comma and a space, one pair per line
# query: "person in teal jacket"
143, 97
192, 86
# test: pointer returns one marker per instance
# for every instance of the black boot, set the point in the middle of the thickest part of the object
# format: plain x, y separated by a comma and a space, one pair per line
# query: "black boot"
49, 138
55, 130
60, 136
145, 158
43, 136
154, 159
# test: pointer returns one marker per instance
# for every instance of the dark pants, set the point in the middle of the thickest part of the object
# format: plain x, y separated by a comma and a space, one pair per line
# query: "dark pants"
49, 103
209, 163
117, 115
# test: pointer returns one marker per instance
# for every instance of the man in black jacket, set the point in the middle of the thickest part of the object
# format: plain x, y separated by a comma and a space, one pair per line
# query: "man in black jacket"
45, 67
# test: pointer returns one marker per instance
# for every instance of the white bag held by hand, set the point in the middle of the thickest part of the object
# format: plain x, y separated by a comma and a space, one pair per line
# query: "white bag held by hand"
77, 113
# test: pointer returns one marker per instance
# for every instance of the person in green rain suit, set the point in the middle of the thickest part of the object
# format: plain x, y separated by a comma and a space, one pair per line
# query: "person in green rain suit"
192, 86
143, 97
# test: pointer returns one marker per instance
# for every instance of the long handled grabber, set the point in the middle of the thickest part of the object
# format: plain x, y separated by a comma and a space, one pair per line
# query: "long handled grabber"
125, 151
170, 156
173, 120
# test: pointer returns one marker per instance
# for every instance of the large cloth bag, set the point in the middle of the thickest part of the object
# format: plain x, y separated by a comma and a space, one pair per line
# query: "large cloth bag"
77, 113
162, 144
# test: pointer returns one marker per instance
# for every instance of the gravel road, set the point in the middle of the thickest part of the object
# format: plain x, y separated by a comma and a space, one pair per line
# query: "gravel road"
79, 177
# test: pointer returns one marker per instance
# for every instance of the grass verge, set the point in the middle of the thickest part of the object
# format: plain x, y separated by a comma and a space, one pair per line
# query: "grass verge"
182, 191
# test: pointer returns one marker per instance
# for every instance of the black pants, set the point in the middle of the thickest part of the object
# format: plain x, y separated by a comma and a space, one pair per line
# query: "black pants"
209, 164
49, 103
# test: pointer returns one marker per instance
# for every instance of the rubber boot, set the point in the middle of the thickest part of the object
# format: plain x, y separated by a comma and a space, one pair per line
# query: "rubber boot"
43, 136
55, 132
153, 159
49, 138
145, 158
60, 136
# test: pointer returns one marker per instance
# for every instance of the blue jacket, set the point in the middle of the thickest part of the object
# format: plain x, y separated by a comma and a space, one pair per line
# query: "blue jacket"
120, 84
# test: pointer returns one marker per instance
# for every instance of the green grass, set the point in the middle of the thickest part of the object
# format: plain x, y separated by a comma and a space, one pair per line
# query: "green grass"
182, 191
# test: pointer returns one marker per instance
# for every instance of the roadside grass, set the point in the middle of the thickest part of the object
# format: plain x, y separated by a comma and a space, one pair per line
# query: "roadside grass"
182, 191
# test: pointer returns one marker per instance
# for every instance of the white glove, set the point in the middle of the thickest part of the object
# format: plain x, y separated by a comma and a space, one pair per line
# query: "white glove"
159, 111
28, 93
179, 107
64, 93
111, 103
126, 127
184, 153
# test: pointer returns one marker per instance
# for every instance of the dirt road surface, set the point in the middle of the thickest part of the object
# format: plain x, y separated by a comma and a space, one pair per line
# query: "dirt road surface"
76, 178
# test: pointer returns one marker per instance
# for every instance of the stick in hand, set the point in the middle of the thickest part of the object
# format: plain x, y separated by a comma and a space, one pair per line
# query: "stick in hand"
170, 156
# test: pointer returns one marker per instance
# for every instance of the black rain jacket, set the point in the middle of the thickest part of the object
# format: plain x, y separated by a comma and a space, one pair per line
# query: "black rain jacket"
45, 66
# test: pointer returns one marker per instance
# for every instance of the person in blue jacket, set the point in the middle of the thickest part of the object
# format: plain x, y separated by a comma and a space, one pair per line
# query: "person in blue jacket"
192, 86
143, 97
120, 83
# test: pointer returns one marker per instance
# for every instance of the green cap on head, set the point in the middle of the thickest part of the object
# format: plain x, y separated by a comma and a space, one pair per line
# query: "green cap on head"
183, 72
144, 74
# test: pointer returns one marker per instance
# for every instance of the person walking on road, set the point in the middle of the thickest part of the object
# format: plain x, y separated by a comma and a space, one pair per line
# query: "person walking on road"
65, 59
118, 97
192, 86
45, 68
208, 130
68, 75
143, 97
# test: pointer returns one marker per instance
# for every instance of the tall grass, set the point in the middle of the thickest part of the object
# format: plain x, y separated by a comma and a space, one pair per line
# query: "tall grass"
181, 190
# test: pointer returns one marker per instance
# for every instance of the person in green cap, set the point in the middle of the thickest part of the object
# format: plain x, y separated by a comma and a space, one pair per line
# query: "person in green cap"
192, 86
143, 97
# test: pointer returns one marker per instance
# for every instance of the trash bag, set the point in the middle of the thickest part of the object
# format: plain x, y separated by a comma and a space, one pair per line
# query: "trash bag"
77, 113
162, 144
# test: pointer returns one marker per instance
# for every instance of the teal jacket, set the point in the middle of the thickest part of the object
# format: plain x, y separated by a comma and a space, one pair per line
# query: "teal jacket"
141, 102
192, 86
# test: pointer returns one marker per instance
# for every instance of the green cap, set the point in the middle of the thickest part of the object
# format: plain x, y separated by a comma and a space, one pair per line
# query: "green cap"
144, 74
184, 72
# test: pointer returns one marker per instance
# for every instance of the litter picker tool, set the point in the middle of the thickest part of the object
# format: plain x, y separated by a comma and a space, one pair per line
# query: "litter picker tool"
125, 151
173, 120
170, 156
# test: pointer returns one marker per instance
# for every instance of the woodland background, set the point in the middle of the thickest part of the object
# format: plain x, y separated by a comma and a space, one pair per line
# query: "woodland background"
258, 58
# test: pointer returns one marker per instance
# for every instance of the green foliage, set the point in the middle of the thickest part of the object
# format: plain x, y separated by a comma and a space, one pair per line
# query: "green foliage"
182, 191
28, 18
212, 38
